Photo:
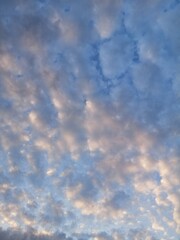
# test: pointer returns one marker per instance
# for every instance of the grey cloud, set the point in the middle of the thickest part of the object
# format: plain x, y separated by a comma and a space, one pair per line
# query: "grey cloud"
116, 55
89, 191
140, 234
120, 200
10, 234
46, 109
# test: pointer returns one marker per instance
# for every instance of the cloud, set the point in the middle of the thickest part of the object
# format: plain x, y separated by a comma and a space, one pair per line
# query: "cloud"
106, 17
116, 55
120, 200
89, 120
140, 234
8, 235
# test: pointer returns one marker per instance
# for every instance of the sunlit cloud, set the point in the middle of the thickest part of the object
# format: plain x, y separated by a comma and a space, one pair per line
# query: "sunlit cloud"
89, 120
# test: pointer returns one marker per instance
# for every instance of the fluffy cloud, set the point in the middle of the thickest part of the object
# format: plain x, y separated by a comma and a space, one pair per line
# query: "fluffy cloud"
89, 120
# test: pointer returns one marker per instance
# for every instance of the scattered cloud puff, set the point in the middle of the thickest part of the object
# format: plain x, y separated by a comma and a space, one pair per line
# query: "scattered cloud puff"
89, 120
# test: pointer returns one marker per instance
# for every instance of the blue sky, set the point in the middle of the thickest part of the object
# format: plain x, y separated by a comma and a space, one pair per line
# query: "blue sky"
89, 119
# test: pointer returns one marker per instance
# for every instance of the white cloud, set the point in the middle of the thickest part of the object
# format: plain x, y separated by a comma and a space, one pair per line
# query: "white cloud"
89, 120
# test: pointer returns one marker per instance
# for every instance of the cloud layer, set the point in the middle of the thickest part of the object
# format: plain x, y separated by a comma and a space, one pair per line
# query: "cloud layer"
89, 119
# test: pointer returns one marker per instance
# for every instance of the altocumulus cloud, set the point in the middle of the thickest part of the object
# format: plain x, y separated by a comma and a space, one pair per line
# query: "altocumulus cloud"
89, 119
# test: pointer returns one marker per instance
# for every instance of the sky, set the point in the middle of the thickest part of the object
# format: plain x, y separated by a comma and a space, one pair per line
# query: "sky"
89, 119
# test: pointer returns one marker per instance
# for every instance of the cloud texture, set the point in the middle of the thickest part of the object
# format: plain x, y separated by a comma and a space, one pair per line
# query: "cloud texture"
89, 119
